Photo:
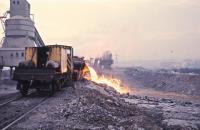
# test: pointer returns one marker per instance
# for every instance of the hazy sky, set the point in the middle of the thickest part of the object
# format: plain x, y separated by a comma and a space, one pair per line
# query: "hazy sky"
132, 29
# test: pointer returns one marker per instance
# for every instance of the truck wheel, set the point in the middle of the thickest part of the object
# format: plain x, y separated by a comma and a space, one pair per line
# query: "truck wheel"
23, 87
51, 89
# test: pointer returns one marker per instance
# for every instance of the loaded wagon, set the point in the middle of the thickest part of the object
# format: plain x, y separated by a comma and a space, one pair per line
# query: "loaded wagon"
79, 64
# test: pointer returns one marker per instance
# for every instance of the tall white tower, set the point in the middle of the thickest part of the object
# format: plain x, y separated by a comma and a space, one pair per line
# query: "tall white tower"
19, 28
19, 7
20, 32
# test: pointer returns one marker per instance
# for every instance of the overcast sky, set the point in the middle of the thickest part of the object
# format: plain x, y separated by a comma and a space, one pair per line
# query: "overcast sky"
132, 29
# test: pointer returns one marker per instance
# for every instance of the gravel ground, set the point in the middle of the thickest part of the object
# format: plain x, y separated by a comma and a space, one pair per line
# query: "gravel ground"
8, 91
164, 80
15, 109
98, 107
93, 107
7, 87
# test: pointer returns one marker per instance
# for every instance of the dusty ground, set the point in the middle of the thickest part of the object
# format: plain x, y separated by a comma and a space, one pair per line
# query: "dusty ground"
15, 109
7, 90
90, 106
99, 107
4, 86
7, 86
187, 83
159, 83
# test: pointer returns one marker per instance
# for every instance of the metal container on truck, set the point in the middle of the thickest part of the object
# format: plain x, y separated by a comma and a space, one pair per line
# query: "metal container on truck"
45, 68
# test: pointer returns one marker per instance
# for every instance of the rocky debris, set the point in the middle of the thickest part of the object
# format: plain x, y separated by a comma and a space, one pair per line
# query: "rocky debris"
165, 80
187, 70
180, 114
175, 113
98, 107
13, 110
98, 111
89, 109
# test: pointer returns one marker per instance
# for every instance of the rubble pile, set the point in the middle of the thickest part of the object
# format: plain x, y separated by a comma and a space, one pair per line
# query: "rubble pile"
165, 80
96, 110
90, 106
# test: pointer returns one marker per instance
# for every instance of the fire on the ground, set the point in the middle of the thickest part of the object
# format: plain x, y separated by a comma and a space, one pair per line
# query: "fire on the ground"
91, 74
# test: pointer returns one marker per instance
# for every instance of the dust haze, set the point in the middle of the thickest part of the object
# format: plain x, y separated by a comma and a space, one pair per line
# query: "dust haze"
135, 30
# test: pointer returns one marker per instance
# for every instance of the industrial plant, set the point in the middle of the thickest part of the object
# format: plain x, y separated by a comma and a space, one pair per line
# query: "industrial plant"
46, 86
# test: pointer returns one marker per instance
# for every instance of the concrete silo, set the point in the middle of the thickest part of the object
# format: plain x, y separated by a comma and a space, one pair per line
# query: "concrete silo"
20, 32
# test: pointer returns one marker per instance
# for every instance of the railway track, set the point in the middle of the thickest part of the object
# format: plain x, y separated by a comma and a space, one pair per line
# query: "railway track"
16, 97
9, 101
22, 116
16, 109
8, 96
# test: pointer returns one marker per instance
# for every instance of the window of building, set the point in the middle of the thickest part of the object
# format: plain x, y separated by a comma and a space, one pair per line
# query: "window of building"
22, 54
17, 54
17, 2
13, 2
11, 55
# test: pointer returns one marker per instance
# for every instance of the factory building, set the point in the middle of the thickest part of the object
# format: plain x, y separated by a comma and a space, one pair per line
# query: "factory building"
20, 32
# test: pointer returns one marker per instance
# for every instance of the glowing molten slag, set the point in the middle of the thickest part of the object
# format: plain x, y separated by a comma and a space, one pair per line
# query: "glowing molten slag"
112, 82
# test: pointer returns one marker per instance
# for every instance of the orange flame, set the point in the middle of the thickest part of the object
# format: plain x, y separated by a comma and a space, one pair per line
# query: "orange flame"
112, 82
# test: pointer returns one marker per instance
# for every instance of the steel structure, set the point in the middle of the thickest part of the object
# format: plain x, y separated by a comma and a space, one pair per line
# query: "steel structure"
20, 32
